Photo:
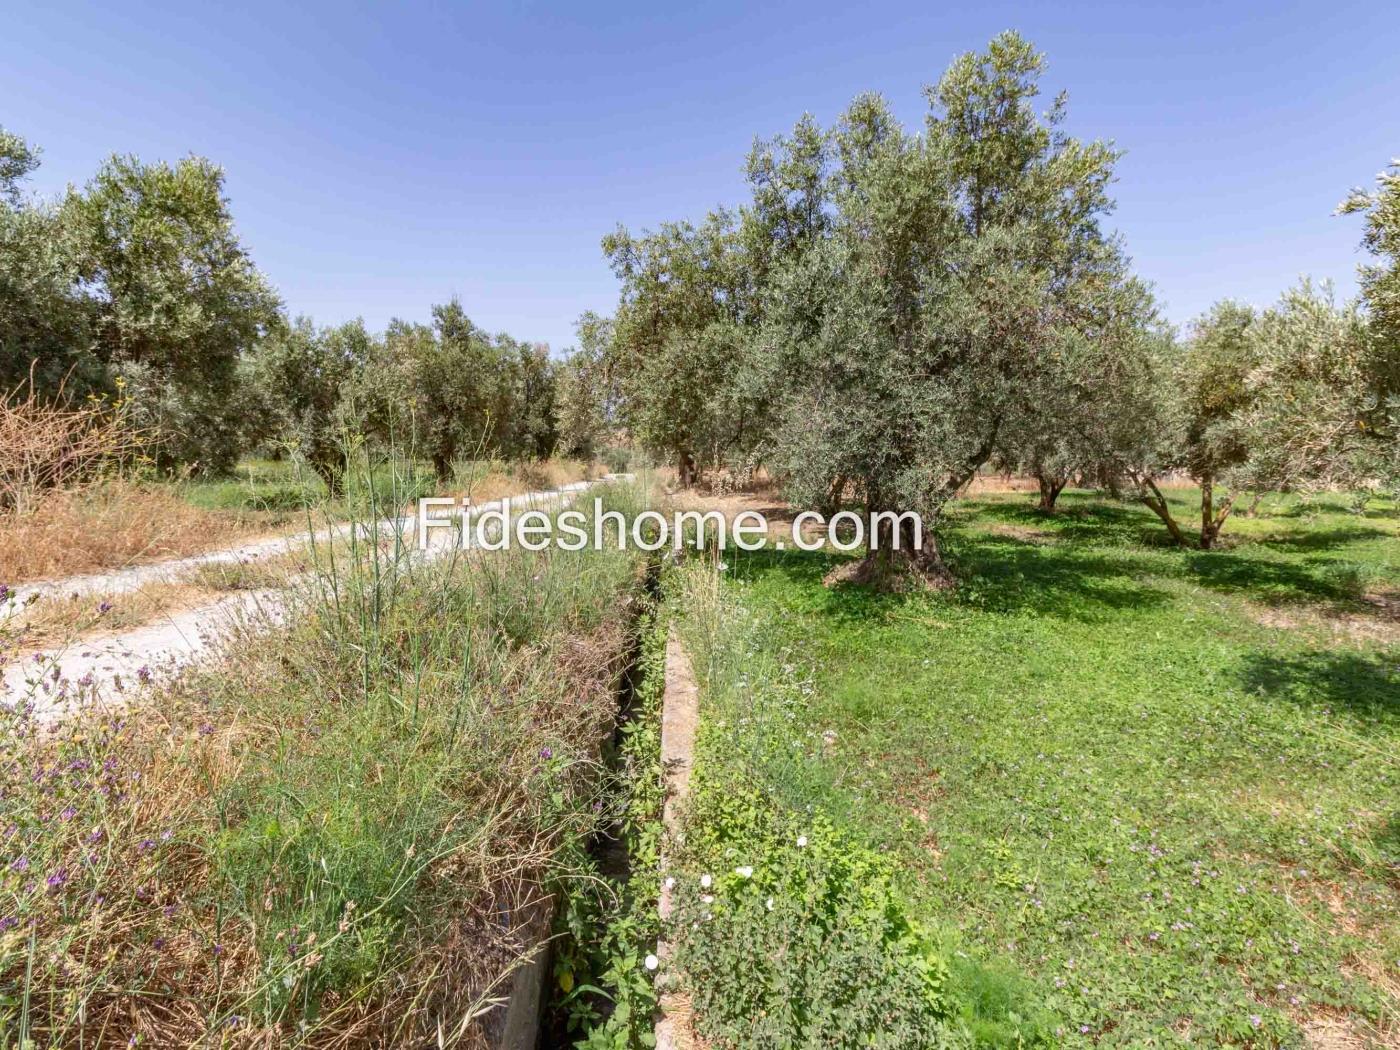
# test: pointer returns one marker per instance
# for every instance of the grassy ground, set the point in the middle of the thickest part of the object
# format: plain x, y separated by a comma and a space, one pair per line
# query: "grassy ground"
1160, 784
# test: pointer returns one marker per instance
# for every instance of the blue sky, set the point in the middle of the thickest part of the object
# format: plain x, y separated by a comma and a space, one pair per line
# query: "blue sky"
381, 159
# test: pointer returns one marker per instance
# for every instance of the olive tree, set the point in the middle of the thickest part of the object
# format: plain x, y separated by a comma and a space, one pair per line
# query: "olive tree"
308, 379
1204, 395
176, 299
457, 381
1259, 401
1096, 406
951, 275
1380, 291
586, 403
531, 420
45, 322
677, 337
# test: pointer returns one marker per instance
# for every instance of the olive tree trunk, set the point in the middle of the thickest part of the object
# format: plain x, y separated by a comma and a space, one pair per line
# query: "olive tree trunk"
1050, 489
902, 557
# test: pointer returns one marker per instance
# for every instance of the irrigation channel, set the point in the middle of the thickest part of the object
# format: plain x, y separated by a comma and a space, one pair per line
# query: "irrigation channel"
539, 994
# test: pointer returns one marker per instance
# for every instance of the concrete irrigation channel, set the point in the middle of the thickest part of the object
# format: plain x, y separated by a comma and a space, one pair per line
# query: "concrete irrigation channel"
109, 667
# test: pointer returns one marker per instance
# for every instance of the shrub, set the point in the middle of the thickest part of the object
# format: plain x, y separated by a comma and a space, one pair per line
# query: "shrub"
802, 943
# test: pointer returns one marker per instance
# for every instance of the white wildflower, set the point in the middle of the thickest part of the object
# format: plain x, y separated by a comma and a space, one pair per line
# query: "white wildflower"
801, 841
651, 962
744, 872
705, 882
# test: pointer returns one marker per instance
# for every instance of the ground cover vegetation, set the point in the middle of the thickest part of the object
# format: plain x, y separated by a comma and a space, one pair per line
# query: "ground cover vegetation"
793, 927
347, 831
1157, 785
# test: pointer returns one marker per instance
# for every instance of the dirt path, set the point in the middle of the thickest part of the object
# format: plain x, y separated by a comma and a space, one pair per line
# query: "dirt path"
118, 581
108, 667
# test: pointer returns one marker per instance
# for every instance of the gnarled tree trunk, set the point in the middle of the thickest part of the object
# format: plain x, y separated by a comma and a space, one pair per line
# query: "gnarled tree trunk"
1212, 518
1050, 489
901, 557
1152, 497
685, 469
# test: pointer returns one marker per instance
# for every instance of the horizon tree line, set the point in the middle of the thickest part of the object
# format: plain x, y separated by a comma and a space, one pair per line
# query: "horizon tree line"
893, 311
137, 286
889, 313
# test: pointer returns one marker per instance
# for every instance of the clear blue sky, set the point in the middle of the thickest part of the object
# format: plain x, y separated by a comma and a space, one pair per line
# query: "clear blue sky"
383, 159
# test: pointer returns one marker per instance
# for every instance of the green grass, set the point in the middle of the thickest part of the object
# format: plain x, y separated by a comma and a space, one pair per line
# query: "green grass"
284, 487
1160, 785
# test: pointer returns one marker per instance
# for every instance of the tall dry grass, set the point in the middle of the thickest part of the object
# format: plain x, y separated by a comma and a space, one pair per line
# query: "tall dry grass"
111, 522
58, 442
344, 834
108, 524
65, 504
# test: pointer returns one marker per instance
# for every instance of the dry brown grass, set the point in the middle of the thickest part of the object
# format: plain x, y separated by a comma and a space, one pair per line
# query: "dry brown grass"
55, 620
108, 525
113, 523
60, 442
488, 480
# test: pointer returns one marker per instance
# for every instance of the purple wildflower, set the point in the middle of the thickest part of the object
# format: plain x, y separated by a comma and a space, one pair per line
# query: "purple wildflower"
20, 865
104, 608
58, 878
68, 814
546, 753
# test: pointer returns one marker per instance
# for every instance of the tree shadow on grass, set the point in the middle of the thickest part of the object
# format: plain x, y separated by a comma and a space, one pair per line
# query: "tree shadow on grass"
1320, 539
1364, 687
995, 573
1072, 582
1304, 508
1088, 520
1268, 580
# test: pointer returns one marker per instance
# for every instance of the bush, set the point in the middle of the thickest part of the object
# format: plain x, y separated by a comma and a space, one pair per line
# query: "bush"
803, 942
618, 458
